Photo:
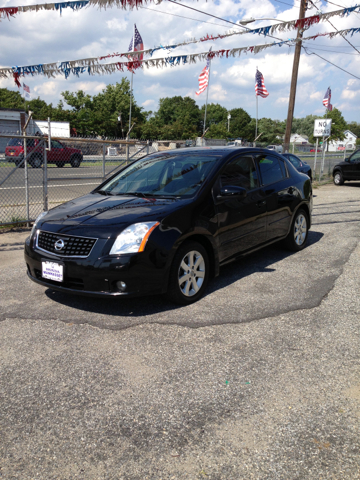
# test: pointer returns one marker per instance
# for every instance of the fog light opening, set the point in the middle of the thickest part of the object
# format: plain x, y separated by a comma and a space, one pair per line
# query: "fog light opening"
121, 286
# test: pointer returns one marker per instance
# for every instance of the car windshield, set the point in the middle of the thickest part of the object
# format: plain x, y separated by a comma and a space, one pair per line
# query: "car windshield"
15, 142
162, 175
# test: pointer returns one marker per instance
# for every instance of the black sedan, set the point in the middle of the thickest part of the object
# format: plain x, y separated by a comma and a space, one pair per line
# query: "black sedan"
167, 222
299, 164
347, 170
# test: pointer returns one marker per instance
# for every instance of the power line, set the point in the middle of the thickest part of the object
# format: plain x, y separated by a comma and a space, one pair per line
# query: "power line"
182, 16
331, 51
328, 61
209, 14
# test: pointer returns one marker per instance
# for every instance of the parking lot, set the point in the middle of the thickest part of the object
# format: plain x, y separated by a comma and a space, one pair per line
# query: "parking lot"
259, 379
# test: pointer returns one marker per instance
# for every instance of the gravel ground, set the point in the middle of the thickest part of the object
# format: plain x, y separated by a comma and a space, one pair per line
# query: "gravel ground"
258, 380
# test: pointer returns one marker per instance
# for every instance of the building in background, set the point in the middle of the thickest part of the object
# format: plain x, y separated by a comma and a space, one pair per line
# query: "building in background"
349, 143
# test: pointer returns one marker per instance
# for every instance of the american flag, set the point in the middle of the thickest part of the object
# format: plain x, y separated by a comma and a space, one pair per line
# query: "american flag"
327, 99
204, 77
26, 91
136, 45
260, 88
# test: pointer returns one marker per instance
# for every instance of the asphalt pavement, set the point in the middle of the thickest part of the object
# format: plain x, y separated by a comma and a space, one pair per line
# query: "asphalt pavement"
259, 379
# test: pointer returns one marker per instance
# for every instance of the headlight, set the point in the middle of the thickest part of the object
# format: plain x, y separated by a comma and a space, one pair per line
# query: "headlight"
133, 239
36, 222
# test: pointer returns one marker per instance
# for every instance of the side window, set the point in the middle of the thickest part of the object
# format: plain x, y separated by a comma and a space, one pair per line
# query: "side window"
270, 169
241, 172
294, 161
56, 144
355, 157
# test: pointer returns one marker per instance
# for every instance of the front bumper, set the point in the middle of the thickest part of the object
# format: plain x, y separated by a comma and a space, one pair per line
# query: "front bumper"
98, 275
13, 158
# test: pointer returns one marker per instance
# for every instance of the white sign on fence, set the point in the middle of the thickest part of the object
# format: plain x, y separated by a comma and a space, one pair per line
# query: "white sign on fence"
322, 127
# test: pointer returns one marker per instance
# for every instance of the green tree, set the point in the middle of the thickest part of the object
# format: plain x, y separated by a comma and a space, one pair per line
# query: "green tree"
11, 99
239, 122
354, 127
271, 130
180, 110
41, 110
304, 126
217, 131
338, 125
215, 114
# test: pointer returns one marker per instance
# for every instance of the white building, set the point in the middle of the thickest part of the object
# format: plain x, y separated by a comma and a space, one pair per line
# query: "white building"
339, 145
299, 139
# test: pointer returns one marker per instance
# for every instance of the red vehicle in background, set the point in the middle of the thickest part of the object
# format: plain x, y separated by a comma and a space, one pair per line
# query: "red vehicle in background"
59, 154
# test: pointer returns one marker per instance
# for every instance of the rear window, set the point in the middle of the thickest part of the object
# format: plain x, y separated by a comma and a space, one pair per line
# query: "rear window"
19, 142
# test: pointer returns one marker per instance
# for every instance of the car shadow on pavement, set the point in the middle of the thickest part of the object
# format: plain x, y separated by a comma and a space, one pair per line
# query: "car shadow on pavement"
259, 261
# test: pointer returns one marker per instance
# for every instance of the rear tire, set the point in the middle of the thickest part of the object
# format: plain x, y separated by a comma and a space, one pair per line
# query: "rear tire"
338, 178
75, 162
298, 235
59, 164
189, 274
36, 161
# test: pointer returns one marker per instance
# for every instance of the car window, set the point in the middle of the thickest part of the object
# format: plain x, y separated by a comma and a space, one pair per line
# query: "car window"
270, 169
163, 174
15, 142
241, 172
56, 144
355, 157
295, 161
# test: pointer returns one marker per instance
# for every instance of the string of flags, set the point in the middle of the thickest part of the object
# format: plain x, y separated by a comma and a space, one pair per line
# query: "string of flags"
7, 12
91, 65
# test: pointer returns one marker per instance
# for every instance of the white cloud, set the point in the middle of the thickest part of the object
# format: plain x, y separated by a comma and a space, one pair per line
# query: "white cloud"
149, 103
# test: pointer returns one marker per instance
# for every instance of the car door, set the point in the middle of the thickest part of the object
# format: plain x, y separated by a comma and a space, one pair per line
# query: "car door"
56, 152
280, 194
241, 222
352, 169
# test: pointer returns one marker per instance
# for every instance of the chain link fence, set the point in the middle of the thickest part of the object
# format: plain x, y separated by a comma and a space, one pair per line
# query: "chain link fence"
37, 174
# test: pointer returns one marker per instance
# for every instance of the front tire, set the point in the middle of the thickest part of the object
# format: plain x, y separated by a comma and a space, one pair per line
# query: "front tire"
298, 235
75, 162
59, 164
338, 178
36, 161
20, 163
189, 274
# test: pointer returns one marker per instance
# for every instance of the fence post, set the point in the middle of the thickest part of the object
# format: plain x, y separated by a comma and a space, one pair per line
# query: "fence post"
127, 150
316, 149
26, 181
323, 158
103, 164
45, 180
147, 147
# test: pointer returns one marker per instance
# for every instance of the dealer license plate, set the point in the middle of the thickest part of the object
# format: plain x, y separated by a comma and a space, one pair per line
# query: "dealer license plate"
52, 271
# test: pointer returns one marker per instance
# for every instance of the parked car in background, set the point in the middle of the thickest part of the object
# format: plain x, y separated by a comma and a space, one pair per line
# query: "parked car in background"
347, 170
299, 164
59, 154
167, 222
276, 148
234, 143
190, 143
313, 149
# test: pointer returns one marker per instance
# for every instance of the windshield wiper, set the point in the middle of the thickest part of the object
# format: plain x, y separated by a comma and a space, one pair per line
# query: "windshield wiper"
103, 192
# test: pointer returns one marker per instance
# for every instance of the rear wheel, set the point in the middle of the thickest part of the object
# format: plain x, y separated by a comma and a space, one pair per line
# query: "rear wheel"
297, 237
338, 178
75, 162
36, 161
189, 274
59, 164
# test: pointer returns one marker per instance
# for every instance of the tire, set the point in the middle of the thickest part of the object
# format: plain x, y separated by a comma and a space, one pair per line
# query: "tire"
59, 164
36, 161
75, 162
186, 287
338, 178
298, 235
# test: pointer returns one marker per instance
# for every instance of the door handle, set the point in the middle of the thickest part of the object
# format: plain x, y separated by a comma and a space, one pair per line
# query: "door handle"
261, 203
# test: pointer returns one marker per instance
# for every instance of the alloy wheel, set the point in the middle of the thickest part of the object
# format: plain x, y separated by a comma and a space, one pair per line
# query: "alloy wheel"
191, 273
337, 178
300, 229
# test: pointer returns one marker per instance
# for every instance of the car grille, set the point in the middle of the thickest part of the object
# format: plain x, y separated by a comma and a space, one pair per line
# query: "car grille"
73, 246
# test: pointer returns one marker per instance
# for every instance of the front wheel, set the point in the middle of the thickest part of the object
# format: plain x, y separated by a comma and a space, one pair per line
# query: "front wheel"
75, 162
20, 163
189, 274
338, 178
59, 164
297, 237
36, 161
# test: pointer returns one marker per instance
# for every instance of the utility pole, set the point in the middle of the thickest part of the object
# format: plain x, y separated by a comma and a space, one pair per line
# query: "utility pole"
294, 78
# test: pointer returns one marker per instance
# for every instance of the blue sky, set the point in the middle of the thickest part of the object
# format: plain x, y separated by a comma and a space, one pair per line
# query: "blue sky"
43, 37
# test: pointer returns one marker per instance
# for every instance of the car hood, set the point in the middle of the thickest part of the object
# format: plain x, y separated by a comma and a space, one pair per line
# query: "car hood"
100, 213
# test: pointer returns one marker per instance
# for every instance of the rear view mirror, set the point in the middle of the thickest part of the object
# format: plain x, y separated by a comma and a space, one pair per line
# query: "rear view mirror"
232, 191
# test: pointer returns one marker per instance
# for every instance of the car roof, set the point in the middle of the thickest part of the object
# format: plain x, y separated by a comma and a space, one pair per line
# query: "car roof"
223, 150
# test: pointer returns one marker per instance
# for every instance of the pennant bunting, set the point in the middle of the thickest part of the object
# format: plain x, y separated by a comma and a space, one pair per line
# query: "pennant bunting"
7, 12
91, 65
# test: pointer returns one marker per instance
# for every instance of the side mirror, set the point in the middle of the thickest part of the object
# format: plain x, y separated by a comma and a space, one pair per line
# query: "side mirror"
232, 192
347, 159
